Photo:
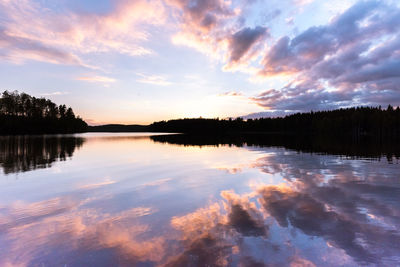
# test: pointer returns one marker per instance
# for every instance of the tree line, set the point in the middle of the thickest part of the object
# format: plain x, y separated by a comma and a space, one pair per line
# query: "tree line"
358, 121
21, 113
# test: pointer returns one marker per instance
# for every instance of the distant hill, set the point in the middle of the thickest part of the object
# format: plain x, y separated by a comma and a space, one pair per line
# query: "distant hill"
118, 128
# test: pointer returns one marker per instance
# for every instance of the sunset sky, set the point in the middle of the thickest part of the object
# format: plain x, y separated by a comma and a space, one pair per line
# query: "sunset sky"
138, 61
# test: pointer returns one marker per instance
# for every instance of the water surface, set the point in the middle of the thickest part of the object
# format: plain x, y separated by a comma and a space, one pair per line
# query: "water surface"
142, 200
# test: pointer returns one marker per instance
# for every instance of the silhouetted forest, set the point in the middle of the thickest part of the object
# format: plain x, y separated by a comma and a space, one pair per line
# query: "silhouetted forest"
360, 121
25, 153
113, 128
21, 113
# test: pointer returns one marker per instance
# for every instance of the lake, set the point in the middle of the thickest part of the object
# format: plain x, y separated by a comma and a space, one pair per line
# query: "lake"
140, 199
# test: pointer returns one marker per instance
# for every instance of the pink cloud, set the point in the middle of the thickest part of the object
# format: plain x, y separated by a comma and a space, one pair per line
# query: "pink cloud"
213, 27
31, 31
100, 79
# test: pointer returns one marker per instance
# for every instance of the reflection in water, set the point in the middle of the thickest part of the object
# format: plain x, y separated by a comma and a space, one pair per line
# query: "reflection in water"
366, 147
25, 153
282, 209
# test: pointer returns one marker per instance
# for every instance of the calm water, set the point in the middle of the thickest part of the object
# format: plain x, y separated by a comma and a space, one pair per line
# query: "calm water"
135, 200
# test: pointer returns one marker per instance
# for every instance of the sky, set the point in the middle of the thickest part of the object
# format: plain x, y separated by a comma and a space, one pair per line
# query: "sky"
139, 61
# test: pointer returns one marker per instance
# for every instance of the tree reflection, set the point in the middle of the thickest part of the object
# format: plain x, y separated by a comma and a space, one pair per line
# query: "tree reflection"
25, 153
367, 147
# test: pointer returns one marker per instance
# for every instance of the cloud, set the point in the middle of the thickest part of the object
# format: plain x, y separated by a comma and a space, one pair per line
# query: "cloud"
266, 114
231, 93
16, 49
100, 79
350, 61
304, 96
201, 24
30, 31
153, 79
214, 28
242, 41
55, 93
202, 15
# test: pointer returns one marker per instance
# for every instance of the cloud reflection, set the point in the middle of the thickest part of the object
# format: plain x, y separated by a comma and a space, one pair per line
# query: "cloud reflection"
339, 201
327, 211
66, 227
